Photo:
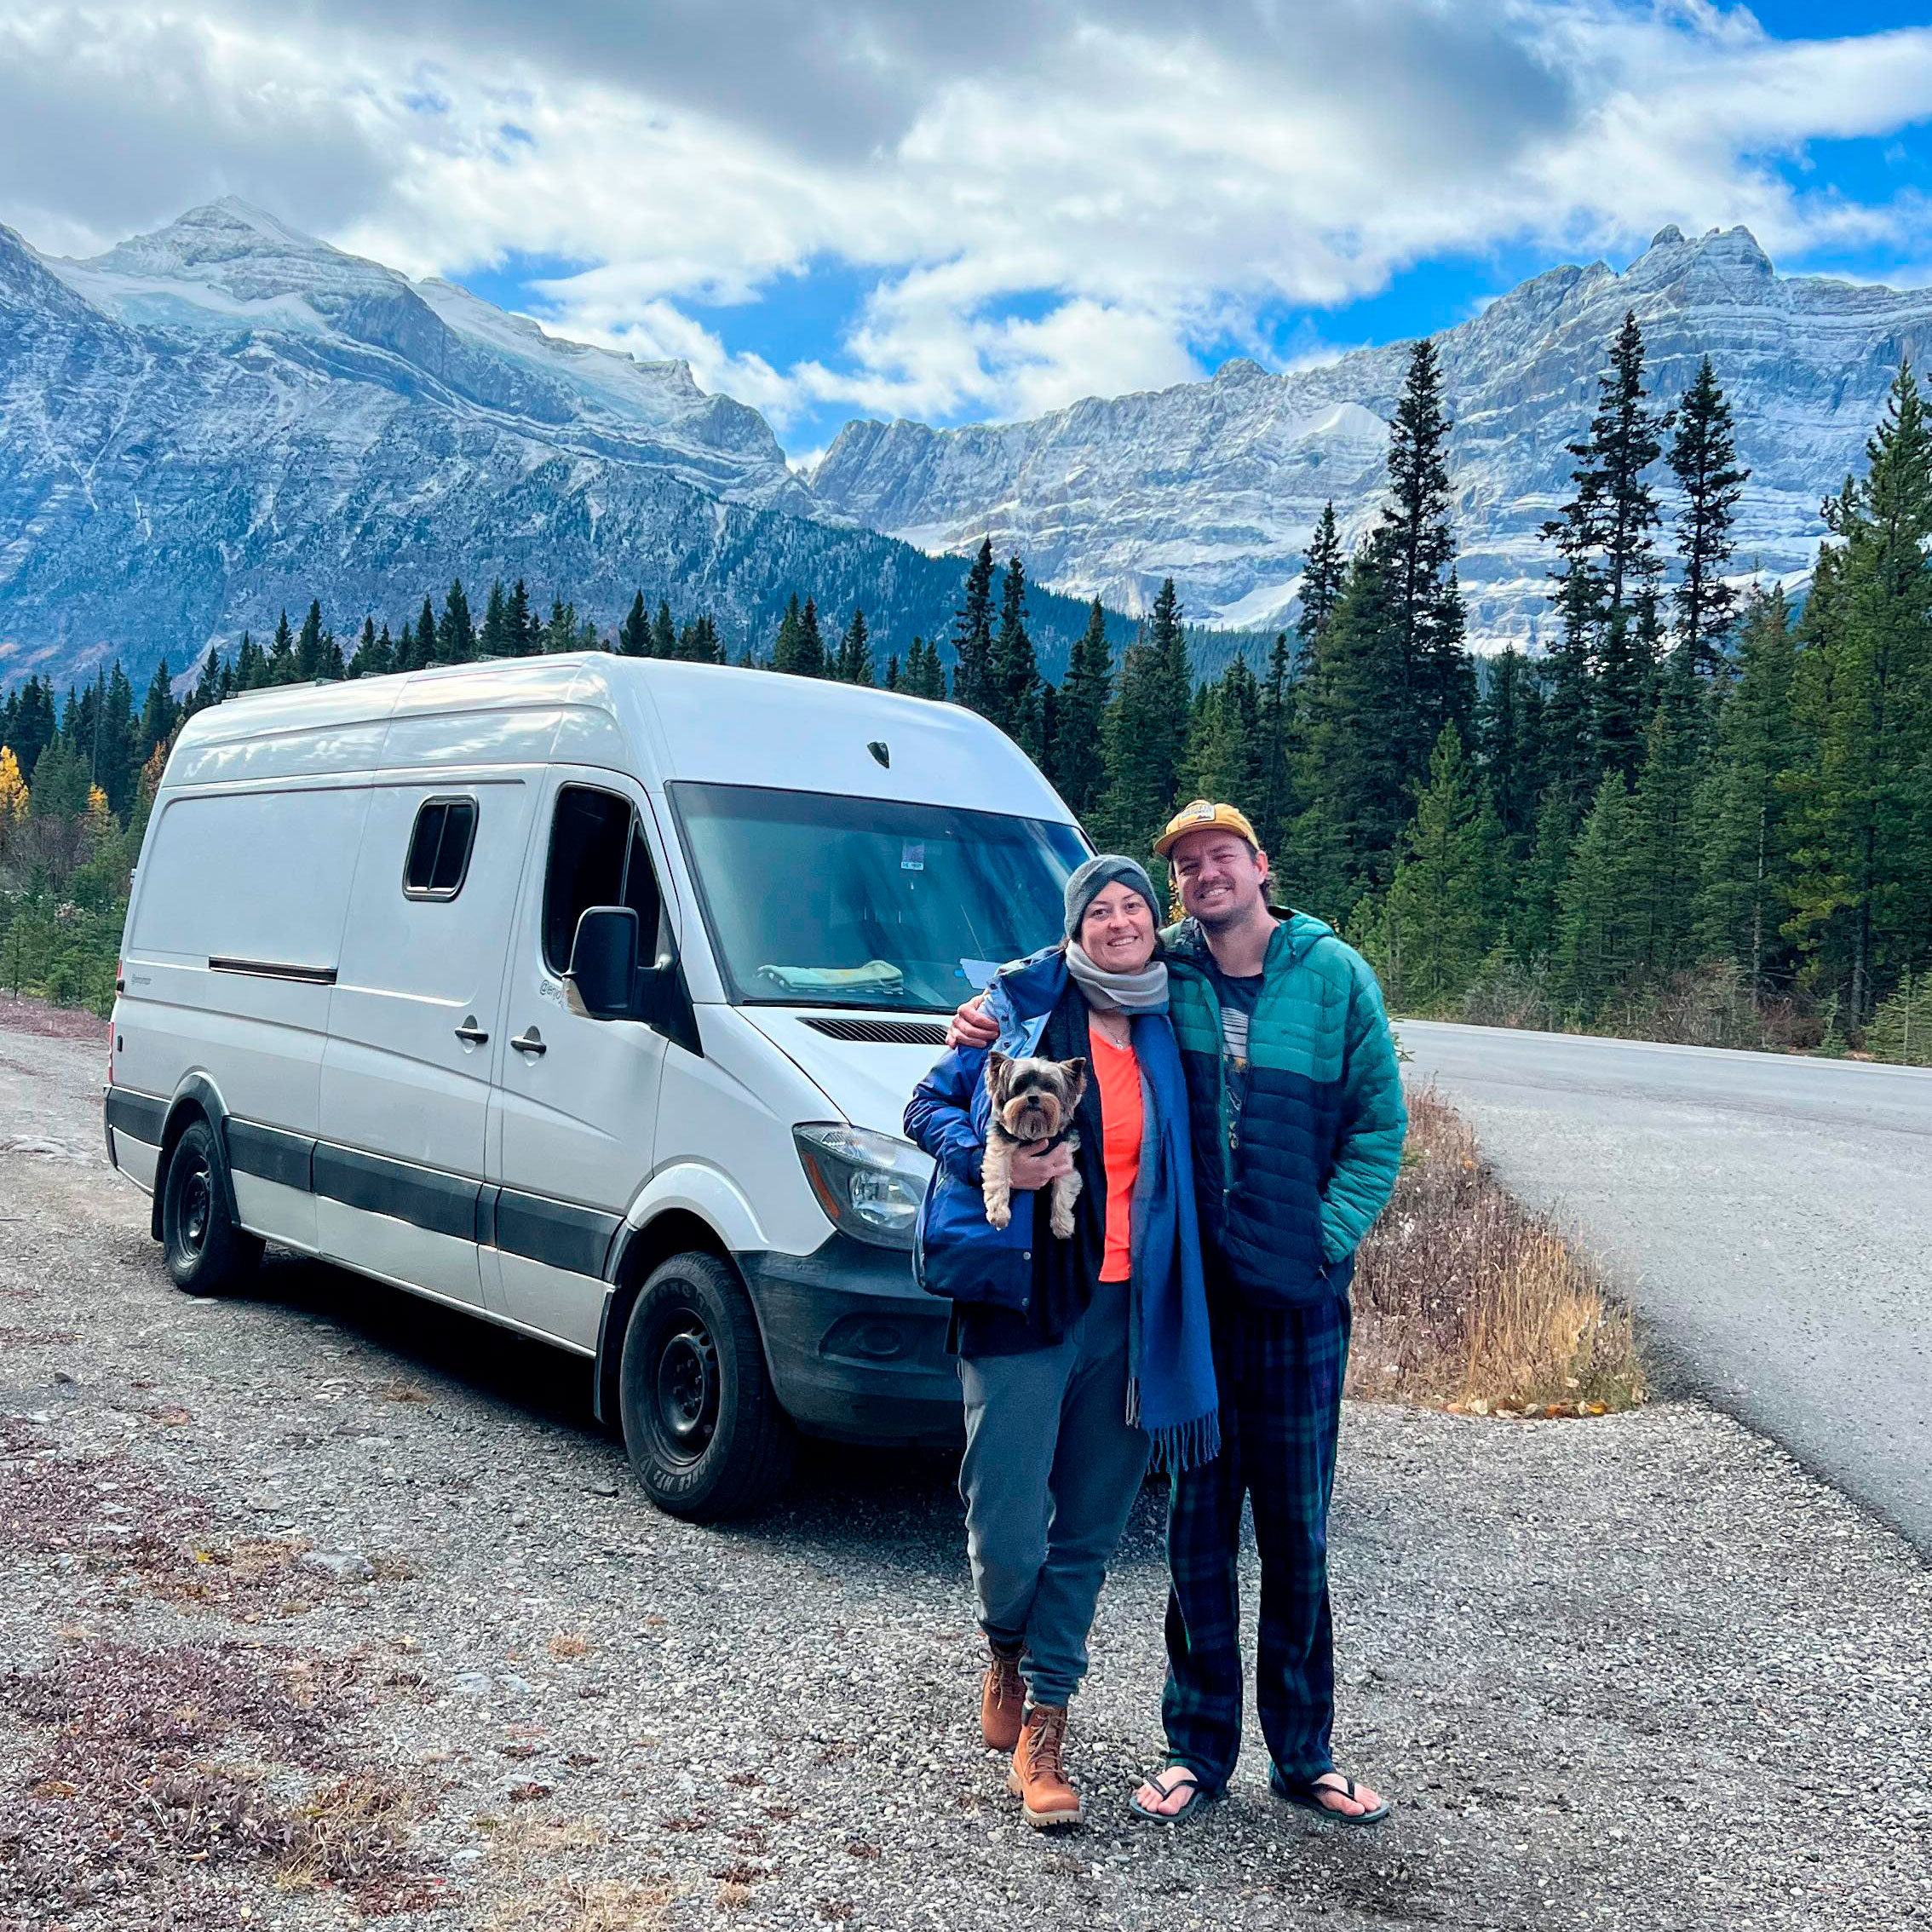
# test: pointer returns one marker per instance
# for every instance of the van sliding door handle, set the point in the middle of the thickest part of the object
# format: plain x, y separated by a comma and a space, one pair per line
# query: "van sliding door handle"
531, 1043
471, 1034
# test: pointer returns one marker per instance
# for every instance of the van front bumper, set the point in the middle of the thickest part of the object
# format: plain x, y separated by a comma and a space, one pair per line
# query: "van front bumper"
856, 1352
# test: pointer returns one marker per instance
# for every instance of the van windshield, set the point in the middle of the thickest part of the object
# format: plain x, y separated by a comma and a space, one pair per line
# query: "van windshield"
817, 900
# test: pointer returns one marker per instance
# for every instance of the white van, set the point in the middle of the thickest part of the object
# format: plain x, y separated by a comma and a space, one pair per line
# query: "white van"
585, 993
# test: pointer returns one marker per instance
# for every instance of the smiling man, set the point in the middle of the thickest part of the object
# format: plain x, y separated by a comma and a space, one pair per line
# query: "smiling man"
1297, 1118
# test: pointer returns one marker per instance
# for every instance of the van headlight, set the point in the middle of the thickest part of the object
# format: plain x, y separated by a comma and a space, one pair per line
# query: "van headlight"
870, 1185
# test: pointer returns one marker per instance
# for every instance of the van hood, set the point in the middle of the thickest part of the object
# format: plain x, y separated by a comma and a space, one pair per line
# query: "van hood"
869, 1082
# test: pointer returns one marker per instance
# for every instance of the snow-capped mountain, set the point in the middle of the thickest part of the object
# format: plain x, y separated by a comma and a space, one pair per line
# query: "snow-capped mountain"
210, 421
1218, 484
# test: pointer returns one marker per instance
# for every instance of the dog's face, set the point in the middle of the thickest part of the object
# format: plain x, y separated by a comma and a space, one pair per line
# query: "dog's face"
1033, 1100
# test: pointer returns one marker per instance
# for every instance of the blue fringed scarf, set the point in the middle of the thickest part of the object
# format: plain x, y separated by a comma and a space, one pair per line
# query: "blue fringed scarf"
1170, 1388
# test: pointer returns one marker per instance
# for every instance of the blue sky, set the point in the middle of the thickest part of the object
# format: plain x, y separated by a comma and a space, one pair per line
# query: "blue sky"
869, 208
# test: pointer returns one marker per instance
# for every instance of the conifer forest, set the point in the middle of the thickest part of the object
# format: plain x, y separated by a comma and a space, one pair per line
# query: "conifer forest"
1703, 814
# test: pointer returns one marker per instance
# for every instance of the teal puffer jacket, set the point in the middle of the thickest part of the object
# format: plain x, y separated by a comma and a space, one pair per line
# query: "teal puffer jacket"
1287, 1192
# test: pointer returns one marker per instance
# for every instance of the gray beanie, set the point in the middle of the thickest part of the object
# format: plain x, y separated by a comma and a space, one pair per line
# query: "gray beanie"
1093, 878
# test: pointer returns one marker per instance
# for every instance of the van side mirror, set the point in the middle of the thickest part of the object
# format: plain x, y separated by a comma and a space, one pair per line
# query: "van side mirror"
603, 962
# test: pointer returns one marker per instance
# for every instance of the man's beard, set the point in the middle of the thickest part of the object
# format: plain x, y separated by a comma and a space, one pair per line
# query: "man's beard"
1237, 913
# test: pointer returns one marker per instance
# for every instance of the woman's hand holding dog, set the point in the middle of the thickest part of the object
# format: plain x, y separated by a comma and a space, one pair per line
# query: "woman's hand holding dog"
1032, 1170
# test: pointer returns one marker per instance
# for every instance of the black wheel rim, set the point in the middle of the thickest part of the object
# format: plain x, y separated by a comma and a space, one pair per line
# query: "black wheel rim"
196, 1204
685, 1389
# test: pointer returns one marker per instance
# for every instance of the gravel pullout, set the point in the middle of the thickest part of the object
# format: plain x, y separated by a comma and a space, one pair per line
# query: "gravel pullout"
1639, 1672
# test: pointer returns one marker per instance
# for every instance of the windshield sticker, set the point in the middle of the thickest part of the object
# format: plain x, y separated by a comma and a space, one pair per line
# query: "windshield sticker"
978, 973
912, 855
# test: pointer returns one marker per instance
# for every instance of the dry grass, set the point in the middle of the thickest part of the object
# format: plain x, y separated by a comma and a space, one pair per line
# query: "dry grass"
567, 1646
524, 1835
1466, 1300
603, 1906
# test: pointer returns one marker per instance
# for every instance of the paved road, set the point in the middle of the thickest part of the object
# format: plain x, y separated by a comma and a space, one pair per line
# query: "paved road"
1771, 1216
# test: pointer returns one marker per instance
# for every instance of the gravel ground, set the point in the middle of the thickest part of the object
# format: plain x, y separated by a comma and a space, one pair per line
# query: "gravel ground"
323, 1604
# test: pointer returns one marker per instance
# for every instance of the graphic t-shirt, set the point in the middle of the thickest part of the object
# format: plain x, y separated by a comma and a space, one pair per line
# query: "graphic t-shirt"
1239, 996
1118, 1071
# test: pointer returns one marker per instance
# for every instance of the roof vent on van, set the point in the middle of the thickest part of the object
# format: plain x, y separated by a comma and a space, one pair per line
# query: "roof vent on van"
881, 751
883, 1033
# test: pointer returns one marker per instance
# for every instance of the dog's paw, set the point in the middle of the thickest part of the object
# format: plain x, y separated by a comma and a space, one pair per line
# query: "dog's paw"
1062, 1224
998, 1214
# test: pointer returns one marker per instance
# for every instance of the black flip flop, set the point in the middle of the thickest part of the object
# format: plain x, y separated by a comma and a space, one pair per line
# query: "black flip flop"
1302, 1792
1198, 1796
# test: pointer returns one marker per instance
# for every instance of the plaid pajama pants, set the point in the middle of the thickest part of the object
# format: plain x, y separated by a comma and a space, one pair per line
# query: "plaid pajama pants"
1281, 1372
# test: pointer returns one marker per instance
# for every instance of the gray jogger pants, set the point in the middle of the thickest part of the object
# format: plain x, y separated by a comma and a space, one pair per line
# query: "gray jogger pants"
1052, 1469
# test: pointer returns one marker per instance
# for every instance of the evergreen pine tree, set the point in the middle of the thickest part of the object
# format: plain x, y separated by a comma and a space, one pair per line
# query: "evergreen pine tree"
1013, 671
494, 640
1322, 576
1079, 761
1434, 916
251, 665
423, 649
1145, 732
664, 642
923, 675
1224, 755
634, 634
1744, 809
1598, 941
207, 684
785, 646
1509, 723
308, 645
1863, 890
972, 637
280, 667
1416, 551
159, 713
853, 664
891, 681
1703, 460
1664, 876
1536, 909
1352, 749
1570, 744
456, 636
1275, 803
519, 627
33, 725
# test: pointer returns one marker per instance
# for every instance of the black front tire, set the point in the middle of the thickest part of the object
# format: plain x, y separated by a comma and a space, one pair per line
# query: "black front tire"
701, 1424
206, 1253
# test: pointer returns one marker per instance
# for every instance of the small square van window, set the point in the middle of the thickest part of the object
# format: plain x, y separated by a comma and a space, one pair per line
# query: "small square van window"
440, 848
598, 857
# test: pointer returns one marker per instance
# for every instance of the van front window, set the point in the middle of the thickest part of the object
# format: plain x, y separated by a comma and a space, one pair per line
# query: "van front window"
817, 900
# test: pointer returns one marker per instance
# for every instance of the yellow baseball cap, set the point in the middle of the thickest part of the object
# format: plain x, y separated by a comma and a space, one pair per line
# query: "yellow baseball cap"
1202, 815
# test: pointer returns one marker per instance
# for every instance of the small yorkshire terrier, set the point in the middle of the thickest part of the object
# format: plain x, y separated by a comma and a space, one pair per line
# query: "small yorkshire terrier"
1032, 1100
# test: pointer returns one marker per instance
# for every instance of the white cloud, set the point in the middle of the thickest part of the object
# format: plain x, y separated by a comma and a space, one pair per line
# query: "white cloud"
1135, 183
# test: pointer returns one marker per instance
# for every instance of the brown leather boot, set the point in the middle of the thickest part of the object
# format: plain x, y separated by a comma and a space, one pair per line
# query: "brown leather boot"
1038, 1779
1003, 1700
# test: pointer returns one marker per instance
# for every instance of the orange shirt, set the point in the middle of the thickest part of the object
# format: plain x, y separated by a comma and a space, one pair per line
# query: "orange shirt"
1118, 1071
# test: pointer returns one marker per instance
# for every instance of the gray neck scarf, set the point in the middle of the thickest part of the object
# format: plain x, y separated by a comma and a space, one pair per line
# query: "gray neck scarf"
1144, 991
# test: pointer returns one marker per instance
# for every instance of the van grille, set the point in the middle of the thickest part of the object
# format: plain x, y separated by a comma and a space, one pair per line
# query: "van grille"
883, 1033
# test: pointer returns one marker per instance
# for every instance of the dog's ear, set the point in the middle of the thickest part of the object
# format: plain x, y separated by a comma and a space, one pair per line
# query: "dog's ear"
1075, 1072
997, 1066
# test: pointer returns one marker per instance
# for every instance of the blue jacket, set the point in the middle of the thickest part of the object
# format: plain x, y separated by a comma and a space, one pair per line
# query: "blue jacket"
1287, 1192
958, 1253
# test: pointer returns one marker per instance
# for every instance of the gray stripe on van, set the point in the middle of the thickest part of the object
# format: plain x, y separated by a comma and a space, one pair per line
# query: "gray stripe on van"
443, 1203
270, 1153
141, 1116
555, 1232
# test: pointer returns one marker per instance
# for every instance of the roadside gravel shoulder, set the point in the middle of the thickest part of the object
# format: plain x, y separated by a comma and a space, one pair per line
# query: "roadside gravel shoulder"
1638, 1671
